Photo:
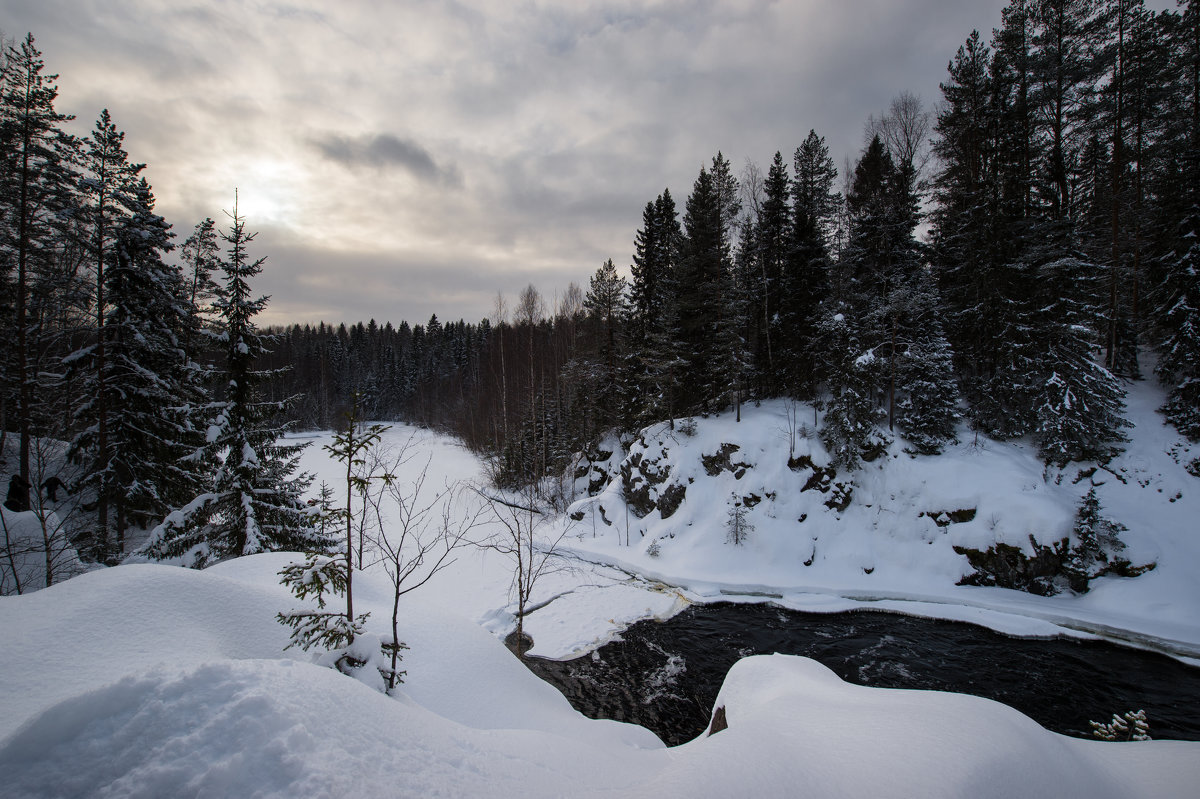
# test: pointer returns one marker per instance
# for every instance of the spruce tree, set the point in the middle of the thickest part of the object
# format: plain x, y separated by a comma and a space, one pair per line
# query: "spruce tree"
895, 305
928, 412
702, 277
773, 237
848, 428
108, 185
151, 388
653, 367
804, 284
255, 502
1179, 318
1081, 403
605, 305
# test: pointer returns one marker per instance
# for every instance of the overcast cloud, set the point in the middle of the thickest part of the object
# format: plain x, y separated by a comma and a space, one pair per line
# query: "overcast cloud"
406, 158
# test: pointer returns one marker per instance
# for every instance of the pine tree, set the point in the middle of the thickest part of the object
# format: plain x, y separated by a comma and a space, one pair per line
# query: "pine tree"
36, 195
201, 258
256, 502
1063, 73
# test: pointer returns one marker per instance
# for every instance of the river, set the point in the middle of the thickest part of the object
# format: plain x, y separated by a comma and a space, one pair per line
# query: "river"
665, 675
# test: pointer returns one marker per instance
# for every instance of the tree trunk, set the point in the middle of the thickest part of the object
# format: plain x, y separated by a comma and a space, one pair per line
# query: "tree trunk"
1115, 192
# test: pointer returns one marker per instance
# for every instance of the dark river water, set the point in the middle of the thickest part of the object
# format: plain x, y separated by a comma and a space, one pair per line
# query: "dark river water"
665, 675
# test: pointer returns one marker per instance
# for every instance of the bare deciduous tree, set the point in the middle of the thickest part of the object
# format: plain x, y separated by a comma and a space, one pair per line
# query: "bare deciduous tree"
904, 130
416, 531
36, 550
519, 537
752, 188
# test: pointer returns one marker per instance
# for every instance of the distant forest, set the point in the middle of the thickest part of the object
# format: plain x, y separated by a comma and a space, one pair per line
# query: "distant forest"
1058, 178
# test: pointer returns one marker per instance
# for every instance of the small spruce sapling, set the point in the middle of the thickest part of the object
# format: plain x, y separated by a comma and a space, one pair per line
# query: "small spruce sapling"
326, 516
1097, 540
348, 648
738, 526
318, 576
350, 446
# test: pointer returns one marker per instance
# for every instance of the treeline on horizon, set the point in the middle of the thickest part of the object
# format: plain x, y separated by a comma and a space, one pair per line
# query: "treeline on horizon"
1060, 172
1058, 178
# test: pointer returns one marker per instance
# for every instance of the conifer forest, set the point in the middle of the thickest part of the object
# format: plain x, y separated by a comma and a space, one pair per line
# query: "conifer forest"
1011, 254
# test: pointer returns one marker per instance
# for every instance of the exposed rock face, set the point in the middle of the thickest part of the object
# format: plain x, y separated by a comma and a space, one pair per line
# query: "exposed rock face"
670, 498
600, 465
722, 461
597, 470
647, 484
822, 480
1007, 566
1049, 570
945, 518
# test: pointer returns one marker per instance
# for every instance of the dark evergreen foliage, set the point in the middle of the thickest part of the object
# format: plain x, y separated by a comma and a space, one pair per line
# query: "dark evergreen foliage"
1179, 318
256, 501
36, 198
804, 284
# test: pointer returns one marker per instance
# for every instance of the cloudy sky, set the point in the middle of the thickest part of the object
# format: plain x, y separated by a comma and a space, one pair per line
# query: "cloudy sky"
411, 157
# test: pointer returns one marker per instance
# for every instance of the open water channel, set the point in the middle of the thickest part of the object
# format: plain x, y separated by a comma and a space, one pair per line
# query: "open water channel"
665, 675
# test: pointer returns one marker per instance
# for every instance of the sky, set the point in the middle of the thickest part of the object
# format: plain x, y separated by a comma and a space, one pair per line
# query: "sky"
400, 159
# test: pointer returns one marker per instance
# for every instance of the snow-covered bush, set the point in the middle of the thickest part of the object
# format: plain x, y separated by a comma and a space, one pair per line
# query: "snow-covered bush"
1131, 726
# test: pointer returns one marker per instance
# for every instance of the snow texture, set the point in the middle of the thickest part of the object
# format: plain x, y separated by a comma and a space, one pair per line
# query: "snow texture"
185, 692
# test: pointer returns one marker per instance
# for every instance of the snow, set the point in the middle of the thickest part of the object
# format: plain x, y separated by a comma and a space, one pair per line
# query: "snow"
154, 680
149, 680
892, 547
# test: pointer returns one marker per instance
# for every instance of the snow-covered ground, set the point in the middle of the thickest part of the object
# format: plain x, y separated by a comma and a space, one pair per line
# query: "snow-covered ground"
892, 548
153, 680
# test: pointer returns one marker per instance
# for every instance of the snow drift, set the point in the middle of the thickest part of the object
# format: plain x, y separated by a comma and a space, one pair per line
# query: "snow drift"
160, 681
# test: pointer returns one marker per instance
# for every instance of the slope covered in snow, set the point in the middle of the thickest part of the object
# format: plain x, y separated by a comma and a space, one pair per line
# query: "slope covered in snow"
147, 680
887, 534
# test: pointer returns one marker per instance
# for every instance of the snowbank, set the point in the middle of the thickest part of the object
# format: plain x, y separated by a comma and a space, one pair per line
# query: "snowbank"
148, 681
